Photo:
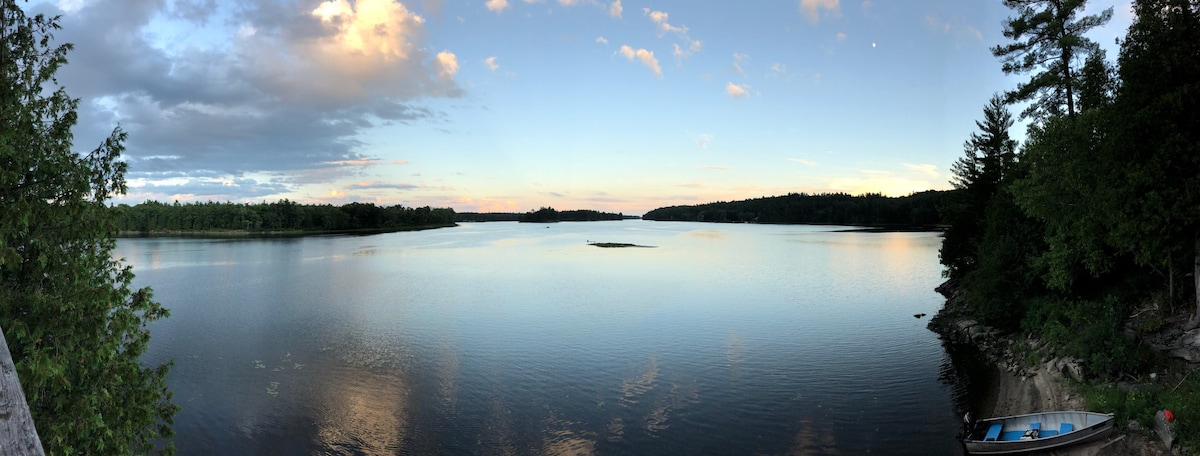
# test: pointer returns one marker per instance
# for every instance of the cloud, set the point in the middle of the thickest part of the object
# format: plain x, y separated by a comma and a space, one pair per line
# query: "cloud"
703, 139
737, 62
925, 169
803, 161
287, 95
646, 57
375, 185
681, 50
777, 69
812, 9
615, 9
601, 40
496, 6
568, 2
490, 62
207, 189
841, 36
737, 91
447, 65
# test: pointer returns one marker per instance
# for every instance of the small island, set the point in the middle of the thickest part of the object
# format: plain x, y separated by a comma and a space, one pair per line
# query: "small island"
618, 245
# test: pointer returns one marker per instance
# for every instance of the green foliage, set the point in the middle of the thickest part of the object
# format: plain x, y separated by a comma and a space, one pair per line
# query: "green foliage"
1048, 36
282, 215
916, 210
550, 215
74, 324
1142, 402
997, 291
1088, 330
989, 162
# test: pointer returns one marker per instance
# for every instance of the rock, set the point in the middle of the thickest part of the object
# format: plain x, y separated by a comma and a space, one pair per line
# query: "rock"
1165, 427
1074, 368
1187, 346
963, 325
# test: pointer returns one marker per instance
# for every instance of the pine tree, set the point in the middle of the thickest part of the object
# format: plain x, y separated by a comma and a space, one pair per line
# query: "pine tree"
1049, 37
75, 326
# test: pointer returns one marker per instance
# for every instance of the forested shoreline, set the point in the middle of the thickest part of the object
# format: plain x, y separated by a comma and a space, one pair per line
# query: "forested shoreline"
1087, 235
543, 215
918, 210
283, 216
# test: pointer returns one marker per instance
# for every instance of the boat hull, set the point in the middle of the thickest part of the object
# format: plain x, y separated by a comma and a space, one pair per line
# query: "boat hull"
1102, 427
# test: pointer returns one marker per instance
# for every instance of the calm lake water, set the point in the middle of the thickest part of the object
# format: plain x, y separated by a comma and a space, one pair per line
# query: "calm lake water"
506, 338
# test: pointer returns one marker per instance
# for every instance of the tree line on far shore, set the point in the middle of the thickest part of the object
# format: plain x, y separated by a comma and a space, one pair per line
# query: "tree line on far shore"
282, 215
872, 209
543, 215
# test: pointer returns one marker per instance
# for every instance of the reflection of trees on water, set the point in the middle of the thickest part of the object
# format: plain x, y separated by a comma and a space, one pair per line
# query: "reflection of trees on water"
968, 375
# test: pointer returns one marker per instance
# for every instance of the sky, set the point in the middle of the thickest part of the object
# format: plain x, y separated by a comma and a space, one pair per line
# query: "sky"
512, 105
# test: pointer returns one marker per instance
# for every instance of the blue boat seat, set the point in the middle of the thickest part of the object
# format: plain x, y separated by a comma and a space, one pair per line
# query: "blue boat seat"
993, 433
1065, 428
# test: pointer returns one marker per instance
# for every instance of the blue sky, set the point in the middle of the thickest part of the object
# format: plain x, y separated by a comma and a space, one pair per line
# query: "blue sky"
494, 105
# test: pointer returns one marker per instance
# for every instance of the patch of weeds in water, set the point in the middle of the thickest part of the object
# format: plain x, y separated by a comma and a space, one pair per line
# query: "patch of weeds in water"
297, 366
273, 389
258, 364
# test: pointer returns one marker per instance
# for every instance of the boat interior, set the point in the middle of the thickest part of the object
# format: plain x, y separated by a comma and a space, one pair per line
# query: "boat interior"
1037, 426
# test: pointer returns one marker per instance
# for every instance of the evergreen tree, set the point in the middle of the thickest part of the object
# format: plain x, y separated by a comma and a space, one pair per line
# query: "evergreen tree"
989, 161
74, 325
1049, 38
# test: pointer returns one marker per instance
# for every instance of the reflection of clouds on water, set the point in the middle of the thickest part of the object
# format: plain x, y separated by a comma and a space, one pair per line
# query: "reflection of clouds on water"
814, 438
634, 388
562, 437
367, 413
651, 404
707, 234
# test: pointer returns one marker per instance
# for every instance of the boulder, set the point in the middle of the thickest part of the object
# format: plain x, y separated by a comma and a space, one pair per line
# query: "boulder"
1187, 346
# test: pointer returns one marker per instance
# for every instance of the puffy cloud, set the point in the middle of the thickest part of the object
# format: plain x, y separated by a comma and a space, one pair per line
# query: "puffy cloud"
615, 9
601, 40
284, 99
681, 52
737, 90
496, 6
646, 57
490, 62
812, 9
660, 18
447, 64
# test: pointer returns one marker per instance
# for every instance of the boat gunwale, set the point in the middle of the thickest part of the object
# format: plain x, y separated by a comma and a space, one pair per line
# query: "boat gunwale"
1080, 435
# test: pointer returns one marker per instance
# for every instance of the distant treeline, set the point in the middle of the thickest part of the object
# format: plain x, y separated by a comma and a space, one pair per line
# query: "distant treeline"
916, 210
282, 215
543, 215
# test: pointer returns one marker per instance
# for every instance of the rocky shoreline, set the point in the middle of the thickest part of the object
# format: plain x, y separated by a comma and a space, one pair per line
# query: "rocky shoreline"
1022, 384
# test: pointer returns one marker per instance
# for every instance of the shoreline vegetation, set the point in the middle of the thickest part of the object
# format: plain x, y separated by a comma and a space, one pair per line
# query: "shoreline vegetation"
281, 218
921, 211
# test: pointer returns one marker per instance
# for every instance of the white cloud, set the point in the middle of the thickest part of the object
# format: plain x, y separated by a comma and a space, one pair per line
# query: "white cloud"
568, 2
490, 62
841, 36
646, 57
812, 9
681, 52
660, 18
447, 64
496, 6
925, 169
601, 40
737, 90
803, 161
615, 9
738, 58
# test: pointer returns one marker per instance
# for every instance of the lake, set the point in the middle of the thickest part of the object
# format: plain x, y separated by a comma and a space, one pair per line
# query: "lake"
507, 338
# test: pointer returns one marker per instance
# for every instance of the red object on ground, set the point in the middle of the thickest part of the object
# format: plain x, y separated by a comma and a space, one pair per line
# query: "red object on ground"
1169, 416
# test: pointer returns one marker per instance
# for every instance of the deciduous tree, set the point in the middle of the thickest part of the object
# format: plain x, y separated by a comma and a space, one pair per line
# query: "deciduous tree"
75, 325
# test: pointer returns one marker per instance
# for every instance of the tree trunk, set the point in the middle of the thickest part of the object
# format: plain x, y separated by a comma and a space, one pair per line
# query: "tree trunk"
17, 434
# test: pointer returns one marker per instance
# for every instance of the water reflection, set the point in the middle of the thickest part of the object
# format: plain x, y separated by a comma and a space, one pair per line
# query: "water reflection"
514, 339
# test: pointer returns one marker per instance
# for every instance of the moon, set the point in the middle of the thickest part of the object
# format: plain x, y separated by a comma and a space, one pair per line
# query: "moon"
872, 44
